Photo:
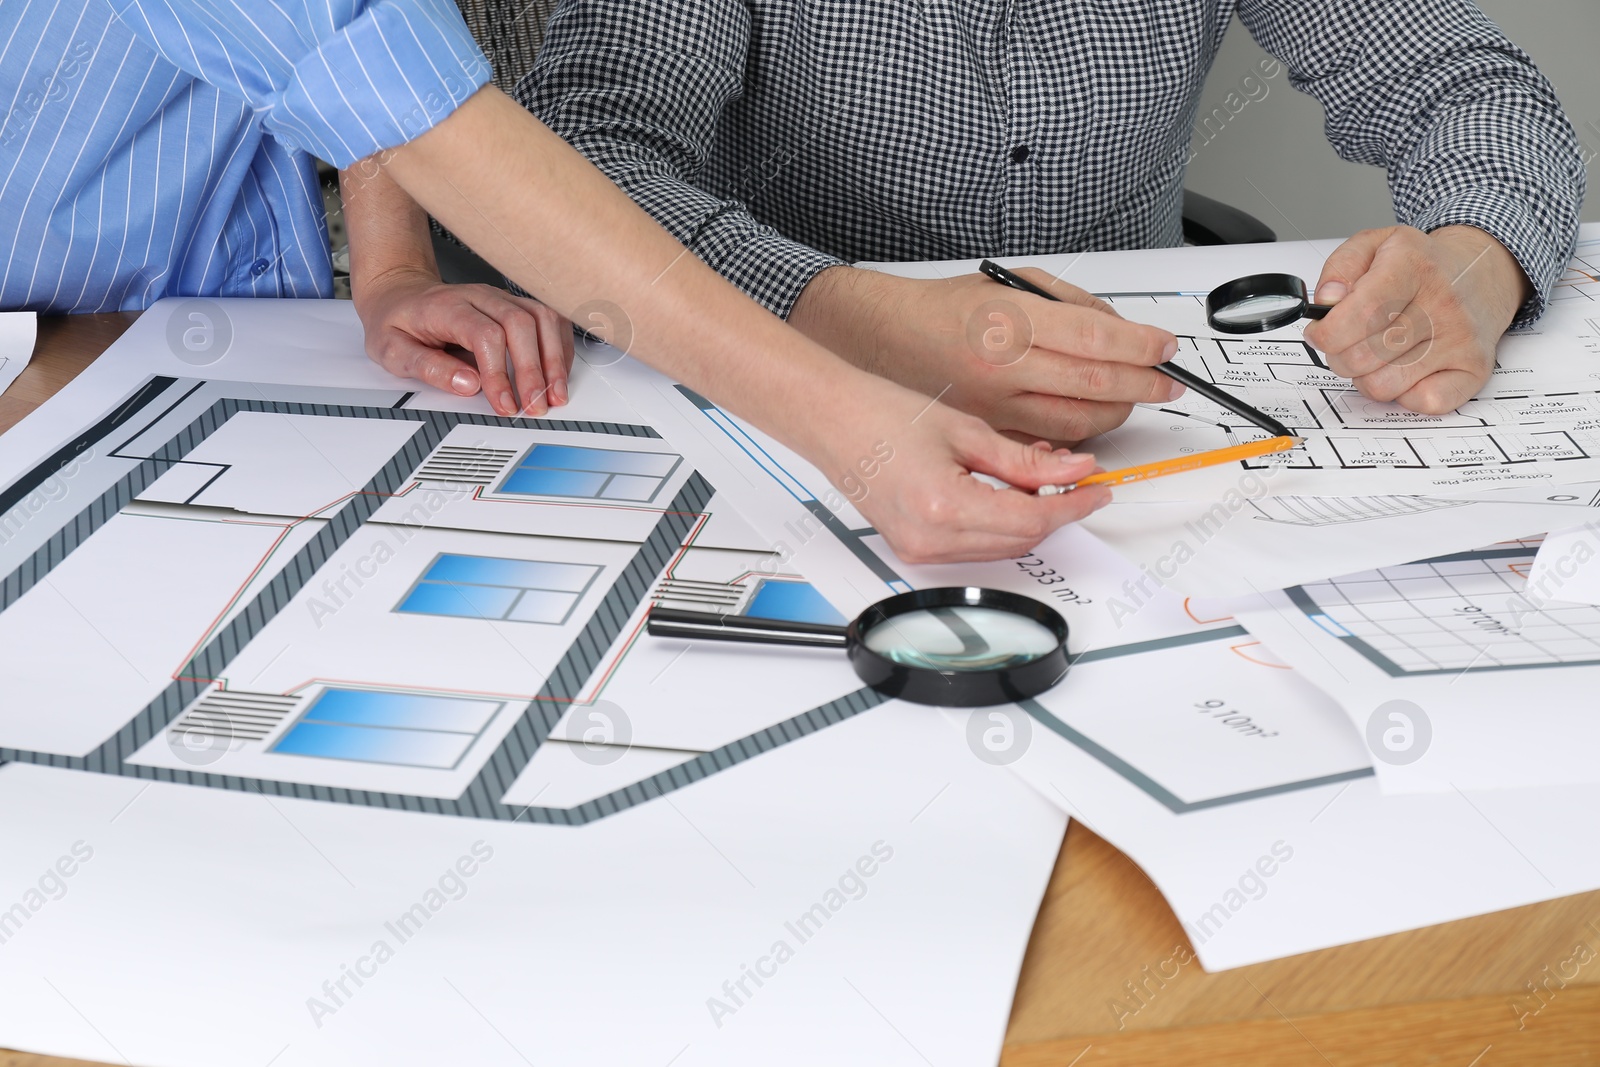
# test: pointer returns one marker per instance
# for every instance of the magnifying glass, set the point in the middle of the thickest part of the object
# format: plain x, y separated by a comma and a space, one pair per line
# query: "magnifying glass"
955, 647
1260, 303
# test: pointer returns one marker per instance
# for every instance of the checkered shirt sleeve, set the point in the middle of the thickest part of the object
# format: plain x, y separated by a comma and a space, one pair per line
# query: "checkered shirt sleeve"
776, 138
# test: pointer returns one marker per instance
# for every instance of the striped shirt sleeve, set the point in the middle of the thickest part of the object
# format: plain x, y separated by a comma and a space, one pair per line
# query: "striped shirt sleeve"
340, 79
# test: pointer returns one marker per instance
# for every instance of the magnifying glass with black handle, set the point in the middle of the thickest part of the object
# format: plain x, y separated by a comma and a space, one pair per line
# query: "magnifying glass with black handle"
960, 647
1260, 303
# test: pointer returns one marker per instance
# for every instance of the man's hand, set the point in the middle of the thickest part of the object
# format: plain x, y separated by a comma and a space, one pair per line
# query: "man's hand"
412, 320
1418, 316
1031, 368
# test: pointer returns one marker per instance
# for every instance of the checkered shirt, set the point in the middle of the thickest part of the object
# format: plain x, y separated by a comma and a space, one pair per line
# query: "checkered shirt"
777, 138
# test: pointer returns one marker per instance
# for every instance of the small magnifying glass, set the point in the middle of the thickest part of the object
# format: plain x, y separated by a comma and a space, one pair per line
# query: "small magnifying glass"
958, 647
1260, 303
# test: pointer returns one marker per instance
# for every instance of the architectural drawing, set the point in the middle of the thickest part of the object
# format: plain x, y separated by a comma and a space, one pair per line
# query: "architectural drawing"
1342, 510
344, 598
1457, 613
1140, 654
1538, 420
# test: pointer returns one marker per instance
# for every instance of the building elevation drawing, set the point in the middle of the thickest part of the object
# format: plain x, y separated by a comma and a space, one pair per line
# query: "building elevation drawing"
336, 596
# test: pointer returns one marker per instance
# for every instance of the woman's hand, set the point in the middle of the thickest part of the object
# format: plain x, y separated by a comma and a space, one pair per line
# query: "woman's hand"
910, 469
413, 320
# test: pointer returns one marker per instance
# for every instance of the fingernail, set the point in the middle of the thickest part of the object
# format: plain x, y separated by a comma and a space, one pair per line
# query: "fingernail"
462, 383
1332, 293
1073, 459
1175, 390
1169, 351
507, 401
558, 394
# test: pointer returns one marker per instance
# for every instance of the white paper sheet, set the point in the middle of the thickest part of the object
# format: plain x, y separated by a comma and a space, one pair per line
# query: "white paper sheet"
1242, 544
1460, 676
900, 874
237, 674
1157, 737
18, 330
1565, 570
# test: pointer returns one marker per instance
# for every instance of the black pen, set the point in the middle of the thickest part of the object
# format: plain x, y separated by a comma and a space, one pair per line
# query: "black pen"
1171, 370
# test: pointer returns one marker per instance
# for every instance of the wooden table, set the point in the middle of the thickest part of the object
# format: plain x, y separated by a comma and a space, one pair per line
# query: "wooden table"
1446, 996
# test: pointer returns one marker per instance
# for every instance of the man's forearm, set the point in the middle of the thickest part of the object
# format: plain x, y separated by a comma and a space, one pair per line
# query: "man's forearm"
848, 311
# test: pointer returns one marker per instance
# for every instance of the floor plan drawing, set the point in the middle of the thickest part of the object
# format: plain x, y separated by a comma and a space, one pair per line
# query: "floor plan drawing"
1465, 612
1125, 629
1459, 640
343, 598
1537, 422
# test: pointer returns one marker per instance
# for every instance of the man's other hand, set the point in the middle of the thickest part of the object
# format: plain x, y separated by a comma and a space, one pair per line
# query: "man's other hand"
1417, 317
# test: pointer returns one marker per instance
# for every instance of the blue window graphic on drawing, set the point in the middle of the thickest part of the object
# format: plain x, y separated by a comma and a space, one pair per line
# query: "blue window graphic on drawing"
792, 602
590, 473
486, 587
403, 729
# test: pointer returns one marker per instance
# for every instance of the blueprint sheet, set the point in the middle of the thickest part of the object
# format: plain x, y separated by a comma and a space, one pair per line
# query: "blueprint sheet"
1178, 734
329, 716
1536, 423
1462, 672
1403, 486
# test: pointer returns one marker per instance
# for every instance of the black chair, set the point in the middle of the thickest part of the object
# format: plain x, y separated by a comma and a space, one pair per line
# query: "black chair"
1211, 222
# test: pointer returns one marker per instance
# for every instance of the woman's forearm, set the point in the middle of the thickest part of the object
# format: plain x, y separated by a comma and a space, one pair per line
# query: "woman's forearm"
388, 230
537, 210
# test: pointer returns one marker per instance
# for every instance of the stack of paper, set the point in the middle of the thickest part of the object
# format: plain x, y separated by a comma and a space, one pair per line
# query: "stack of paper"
330, 711
1305, 735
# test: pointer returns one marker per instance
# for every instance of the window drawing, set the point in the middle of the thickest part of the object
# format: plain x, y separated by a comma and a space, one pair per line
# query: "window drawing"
590, 473
792, 602
512, 590
405, 729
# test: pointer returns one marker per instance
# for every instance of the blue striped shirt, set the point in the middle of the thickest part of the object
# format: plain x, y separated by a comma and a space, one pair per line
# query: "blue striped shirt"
153, 148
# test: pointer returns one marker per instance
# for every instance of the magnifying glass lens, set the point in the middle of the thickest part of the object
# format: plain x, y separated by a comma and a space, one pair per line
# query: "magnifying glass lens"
1256, 308
958, 647
961, 639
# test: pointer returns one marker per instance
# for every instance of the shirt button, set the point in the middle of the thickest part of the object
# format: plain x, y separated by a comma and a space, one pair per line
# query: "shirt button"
260, 267
1021, 153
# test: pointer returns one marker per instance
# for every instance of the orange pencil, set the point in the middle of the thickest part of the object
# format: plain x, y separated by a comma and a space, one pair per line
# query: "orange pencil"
1215, 457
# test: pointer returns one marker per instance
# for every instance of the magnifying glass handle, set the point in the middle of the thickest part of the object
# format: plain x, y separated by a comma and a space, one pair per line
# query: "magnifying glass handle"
709, 626
1317, 311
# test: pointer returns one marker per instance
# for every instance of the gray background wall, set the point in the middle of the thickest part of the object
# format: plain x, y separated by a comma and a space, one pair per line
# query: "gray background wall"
1306, 191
